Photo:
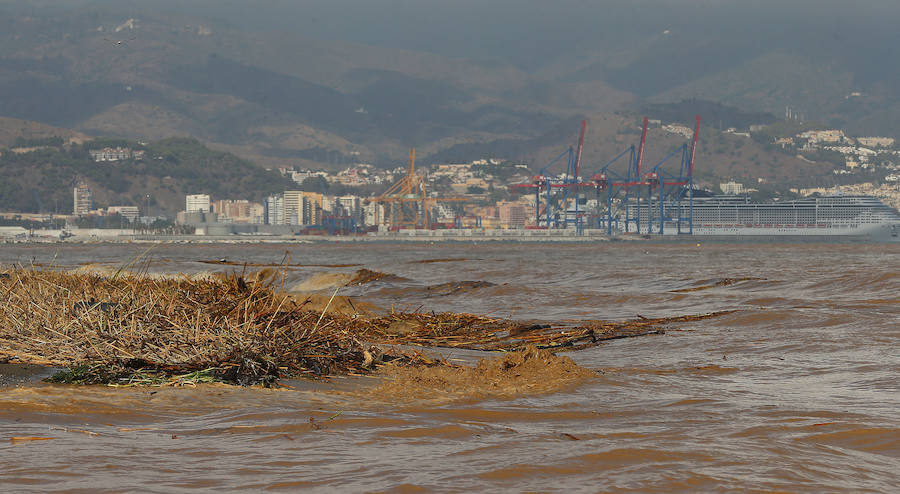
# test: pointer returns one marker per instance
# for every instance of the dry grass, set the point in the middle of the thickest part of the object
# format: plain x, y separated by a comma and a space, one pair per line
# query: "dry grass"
127, 328
242, 328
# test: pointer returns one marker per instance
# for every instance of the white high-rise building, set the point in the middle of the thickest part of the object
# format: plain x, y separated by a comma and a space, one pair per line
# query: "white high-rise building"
274, 210
84, 199
197, 203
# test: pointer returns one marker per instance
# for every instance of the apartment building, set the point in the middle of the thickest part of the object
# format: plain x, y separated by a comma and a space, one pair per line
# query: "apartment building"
84, 200
302, 208
274, 210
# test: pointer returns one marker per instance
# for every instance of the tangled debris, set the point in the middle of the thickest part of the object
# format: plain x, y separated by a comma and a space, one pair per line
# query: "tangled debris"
470, 331
132, 329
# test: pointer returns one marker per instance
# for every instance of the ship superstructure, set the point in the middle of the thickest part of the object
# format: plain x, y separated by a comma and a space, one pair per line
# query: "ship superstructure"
852, 215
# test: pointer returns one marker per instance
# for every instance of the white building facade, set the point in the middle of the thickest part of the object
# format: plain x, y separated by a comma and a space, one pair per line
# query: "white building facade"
84, 200
274, 210
197, 203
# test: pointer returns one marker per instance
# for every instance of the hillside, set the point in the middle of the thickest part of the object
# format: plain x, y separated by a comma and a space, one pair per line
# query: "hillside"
12, 129
720, 156
41, 179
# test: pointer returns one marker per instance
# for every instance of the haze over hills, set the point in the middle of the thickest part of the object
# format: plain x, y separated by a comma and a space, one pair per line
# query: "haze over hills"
332, 82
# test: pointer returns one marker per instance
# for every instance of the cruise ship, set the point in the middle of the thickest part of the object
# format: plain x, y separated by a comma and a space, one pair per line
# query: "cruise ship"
860, 216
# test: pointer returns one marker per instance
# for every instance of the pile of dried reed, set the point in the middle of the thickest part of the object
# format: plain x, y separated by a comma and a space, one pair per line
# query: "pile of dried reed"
126, 328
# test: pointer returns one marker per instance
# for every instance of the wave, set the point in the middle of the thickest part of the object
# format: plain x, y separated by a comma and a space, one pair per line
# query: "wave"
322, 281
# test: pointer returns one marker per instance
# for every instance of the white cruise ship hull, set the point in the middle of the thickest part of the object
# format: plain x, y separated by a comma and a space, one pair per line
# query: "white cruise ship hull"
875, 232
862, 217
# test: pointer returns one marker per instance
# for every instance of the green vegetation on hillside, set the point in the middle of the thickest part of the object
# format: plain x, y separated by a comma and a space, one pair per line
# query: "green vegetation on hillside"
825, 155
503, 171
42, 179
112, 142
196, 167
23, 142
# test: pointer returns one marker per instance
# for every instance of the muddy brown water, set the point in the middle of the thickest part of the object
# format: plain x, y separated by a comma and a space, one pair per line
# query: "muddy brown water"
796, 391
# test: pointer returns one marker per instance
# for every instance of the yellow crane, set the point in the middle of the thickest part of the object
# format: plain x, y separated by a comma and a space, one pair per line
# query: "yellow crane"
406, 202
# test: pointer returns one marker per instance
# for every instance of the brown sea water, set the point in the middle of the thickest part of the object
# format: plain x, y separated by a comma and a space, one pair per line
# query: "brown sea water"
796, 391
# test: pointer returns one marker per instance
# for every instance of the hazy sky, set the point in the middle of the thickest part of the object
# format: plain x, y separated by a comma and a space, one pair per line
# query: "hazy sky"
703, 35
528, 32
665, 42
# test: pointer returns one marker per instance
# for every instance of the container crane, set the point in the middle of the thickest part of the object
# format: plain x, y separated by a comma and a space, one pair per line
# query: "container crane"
670, 189
568, 185
673, 188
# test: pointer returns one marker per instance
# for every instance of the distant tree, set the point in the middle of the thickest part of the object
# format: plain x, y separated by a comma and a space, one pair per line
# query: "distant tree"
111, 142
22, 142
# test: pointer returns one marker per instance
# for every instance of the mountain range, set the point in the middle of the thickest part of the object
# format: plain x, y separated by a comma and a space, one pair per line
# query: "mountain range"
325, 84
